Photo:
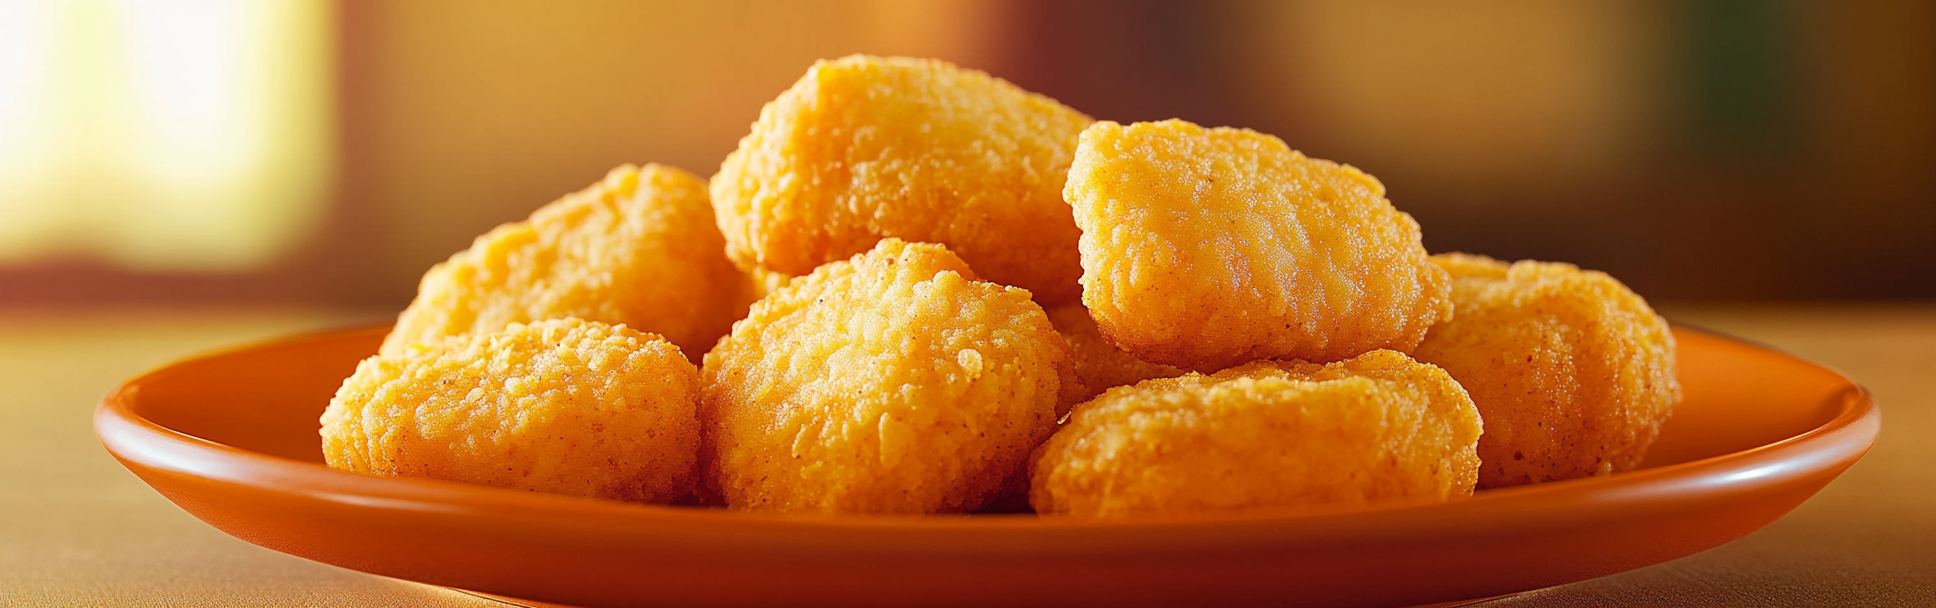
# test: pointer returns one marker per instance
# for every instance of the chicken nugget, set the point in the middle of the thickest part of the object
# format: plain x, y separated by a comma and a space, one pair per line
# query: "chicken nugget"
639, 248
1572, 370
894, 382
1267, 434
1100, 365
1206, 248
863, 148
565, 406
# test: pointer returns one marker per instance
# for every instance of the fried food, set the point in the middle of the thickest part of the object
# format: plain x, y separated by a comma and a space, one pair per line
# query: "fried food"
863, 148
765, 282
1206, 248
1100, 365
1572, 371
564, 406
894, 382
639, 248
1377, 427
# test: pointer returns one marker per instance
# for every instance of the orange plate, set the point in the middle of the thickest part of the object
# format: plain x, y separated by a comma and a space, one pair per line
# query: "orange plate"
232, 438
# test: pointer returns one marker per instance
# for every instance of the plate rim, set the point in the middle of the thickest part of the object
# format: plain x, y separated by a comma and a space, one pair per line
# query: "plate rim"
1339, 556
136, 440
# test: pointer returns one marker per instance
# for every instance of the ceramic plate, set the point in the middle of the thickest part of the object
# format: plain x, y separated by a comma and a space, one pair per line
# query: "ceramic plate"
231, 438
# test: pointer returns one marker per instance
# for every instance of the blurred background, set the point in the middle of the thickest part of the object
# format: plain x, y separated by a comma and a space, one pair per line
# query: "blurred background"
318, 152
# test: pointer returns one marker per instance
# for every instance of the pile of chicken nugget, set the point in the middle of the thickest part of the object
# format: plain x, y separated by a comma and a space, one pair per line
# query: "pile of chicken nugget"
916, 288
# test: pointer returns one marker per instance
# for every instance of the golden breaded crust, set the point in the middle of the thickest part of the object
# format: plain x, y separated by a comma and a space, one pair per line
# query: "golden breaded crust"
1099, 364
639, 248
1206, 248
564, 406
1573, 372
1269, 433
765, 282
863, 148
894, 382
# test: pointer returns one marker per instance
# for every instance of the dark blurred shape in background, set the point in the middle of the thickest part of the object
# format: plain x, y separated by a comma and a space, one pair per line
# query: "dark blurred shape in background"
1702, 150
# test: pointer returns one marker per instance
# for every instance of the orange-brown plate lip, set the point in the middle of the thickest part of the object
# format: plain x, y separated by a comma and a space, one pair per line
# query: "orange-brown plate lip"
1824, 450
132, 437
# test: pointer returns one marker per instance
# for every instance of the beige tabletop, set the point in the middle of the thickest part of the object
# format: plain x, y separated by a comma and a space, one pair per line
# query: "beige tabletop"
76, 529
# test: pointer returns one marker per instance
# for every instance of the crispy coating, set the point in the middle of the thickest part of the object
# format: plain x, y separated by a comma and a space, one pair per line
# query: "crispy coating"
765, 282
639, 248
1206, 248
1099, 364
863, 148
894, 382
1266, 434
564, 406
1573, 372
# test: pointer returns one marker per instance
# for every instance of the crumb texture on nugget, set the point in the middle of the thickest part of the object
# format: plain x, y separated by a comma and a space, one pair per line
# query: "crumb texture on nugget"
1206, 248
862, 148
895, 382
1573, 372
563, 406
639, 248
1100, 365
1266, 434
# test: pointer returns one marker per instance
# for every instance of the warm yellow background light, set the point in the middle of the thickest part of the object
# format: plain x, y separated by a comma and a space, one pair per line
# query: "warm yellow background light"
162, 134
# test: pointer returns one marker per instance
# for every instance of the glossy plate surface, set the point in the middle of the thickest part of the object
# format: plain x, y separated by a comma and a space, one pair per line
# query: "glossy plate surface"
232, 438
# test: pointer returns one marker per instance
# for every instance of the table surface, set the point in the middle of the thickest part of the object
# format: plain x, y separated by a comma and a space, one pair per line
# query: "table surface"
76, 529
